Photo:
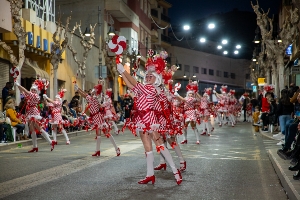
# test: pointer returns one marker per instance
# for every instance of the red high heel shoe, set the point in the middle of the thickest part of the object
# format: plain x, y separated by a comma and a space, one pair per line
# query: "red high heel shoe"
182, 166
147, 179
183, 142
68, 142
33, 150
161, 166
178, 181
55, 142
118, 151
97, 153
198, 142
52, 144
204, 133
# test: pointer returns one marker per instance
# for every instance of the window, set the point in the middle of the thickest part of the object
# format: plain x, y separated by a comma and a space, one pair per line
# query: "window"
232, 75
219, 73
141, 4
225, 74
145, 6
203, 71
196, 70
186, 68
211, 72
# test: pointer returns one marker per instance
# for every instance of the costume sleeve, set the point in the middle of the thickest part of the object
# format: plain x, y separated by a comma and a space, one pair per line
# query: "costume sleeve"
144, 89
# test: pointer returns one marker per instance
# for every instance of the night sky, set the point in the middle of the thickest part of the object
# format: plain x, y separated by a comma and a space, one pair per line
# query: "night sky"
184, 11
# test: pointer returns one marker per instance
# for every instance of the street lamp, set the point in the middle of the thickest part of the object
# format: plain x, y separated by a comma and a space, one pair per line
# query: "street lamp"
219, 47
224, 41
211, 26
225, 52
87, 32
238, 46
186, 27
111, 31
202, 40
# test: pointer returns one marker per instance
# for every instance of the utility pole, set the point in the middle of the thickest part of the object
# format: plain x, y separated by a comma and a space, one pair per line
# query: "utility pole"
100, 42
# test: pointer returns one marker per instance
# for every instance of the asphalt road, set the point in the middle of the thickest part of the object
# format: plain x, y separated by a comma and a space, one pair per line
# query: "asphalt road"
230, 164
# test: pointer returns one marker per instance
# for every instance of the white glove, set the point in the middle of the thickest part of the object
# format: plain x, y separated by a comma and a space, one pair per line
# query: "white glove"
17, 83
214, 91
45, 96
176, 93
120, 68
76, 87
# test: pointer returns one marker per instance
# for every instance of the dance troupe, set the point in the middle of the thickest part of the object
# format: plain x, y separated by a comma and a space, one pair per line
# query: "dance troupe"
159, 113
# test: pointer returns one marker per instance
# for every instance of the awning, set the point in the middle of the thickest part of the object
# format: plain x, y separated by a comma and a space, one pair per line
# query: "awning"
31, 70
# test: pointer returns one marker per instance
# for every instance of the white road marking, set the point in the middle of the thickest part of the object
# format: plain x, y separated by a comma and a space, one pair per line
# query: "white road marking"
19, 184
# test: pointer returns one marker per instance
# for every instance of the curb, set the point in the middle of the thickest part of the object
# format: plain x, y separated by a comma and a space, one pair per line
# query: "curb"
286, 177
10, 145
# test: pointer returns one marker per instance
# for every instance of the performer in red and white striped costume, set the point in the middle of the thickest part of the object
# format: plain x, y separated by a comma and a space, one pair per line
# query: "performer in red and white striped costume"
163, 110
110, 114
56, 118
33, 114
232, 101
222, 106
147, 123
96, 117
205, 111
192, 96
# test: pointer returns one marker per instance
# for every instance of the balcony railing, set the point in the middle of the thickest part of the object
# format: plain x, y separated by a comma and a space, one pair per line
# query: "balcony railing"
165, 38
165, 18
154, 13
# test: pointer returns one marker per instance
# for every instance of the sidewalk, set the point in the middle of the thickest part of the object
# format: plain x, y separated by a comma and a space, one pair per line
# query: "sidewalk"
10, 145
291, 186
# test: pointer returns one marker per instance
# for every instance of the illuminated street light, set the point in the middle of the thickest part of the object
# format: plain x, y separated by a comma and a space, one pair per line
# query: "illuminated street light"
225, 52
236, 52
224, 41
184, 76
202, 40
211, 26
194, 76
186, 27
219, 47
238, 46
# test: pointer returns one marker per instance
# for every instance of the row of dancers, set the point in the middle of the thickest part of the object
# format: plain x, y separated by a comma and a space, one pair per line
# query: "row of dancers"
159, 114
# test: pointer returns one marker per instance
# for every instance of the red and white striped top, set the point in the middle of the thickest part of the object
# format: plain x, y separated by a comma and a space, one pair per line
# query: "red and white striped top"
95, 116
146, 98
32, 100
56, 111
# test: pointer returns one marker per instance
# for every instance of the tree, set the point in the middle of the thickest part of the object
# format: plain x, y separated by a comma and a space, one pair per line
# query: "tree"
58, 48
276, 50
16, 6
87, 46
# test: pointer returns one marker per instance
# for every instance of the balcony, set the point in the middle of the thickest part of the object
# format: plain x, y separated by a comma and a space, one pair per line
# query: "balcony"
154, 35
154, 13
165, 18
165, 41
119, 10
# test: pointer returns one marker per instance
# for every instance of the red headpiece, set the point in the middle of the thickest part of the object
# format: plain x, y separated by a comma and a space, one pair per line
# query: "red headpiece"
61, 93
98, 88
156, 64
268, 88
207, 91
224, 88
232, 92
109, 92
39, 84
246, 94
192, 87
